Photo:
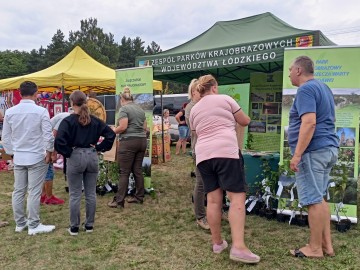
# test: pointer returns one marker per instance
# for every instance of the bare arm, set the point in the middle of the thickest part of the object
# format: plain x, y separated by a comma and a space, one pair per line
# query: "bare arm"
177, 117
307, 128
241, 118
123, 124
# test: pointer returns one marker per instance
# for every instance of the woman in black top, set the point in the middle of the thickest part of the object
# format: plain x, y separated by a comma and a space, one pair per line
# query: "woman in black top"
76, 140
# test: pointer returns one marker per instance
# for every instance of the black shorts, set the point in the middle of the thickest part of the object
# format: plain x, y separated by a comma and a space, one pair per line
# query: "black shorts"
225, 173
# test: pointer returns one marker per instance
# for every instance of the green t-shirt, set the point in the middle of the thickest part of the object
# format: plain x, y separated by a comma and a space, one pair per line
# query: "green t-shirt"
136, 118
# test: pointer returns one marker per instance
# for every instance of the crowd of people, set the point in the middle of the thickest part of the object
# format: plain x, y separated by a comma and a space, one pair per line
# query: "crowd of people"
212, 119
28, 137
220, 165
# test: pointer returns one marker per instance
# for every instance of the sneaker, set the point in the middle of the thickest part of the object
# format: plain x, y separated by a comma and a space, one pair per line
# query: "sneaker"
54, 200
73, 231
42, 199
245, 257
88, 229
202, 223
41, 229
21, 228
220, 248
225, 216
115, 204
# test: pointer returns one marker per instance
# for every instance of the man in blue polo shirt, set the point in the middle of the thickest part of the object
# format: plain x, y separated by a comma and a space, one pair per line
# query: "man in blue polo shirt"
314, 146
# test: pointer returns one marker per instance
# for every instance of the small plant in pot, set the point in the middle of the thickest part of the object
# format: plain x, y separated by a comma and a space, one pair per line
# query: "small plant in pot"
269, 186
113, 171
342, 225
280, 217
340, 177
286, 175
301, 219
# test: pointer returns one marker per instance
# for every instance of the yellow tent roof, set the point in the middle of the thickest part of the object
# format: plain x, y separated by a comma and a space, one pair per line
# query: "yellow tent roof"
77, 70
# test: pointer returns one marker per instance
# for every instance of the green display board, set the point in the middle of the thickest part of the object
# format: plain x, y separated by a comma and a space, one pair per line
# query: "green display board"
140, 81
240, 93
337, 67
265, 110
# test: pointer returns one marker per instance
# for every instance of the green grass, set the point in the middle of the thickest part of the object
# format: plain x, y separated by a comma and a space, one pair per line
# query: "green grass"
160, 234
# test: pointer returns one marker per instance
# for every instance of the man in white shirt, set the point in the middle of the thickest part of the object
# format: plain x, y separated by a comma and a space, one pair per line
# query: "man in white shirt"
27, 136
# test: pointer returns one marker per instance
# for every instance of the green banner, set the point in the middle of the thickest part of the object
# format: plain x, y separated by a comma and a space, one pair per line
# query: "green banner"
338, 68
140, 80
265, 111
240, 93
230, 56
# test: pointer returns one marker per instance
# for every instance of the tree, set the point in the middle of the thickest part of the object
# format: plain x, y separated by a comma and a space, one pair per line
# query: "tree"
95, 42
35, 60
129, 49
57, 49
153, 48
12, 63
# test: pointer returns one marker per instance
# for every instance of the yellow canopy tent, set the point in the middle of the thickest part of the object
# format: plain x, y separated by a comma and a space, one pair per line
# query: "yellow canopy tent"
76, 71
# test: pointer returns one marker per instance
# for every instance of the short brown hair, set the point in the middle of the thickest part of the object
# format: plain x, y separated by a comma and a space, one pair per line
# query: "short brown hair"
305, 63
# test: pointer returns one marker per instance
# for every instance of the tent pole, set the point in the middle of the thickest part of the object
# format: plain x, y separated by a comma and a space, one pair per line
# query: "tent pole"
162, 127
63, 98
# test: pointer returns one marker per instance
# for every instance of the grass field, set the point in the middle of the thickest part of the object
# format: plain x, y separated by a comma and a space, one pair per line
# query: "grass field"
160, 234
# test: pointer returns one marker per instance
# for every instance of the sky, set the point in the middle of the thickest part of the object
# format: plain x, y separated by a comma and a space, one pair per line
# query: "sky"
27, 25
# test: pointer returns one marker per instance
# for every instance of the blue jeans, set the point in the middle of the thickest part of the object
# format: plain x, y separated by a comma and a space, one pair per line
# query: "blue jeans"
313, 176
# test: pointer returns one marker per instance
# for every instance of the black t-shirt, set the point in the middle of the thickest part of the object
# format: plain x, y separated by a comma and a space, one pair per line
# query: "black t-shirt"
182, 118
72, 134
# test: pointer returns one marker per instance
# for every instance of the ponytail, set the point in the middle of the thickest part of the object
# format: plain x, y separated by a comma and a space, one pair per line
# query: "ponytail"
84, 115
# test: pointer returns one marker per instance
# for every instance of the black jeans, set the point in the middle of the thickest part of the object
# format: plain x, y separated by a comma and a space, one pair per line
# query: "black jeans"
130, 157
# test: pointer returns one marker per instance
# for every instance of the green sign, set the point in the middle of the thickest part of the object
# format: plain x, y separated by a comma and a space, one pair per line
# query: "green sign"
240, 93
140, 80
238, 55
338, 68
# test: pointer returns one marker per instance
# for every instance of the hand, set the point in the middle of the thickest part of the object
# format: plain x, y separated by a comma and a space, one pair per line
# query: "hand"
48, 157
53, 157
294, 162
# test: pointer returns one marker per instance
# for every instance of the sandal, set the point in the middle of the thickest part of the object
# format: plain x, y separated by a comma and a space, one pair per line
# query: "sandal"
299, 254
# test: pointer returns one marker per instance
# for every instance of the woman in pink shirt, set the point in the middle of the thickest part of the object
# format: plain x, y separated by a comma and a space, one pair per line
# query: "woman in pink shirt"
221, 164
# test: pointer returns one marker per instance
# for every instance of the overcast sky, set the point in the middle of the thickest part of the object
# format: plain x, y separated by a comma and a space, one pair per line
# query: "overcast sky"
27, 25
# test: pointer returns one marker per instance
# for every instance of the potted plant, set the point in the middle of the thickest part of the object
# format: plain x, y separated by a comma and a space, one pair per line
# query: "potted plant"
340, 177
269, 186
342, 225
280, 217
113, 173
301, 219
286, 175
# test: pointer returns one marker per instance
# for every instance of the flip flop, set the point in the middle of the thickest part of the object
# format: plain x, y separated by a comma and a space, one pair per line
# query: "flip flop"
299, 254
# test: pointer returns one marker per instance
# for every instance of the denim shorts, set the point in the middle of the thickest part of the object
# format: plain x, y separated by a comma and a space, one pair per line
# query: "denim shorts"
183, 132
50, 173
313, 176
